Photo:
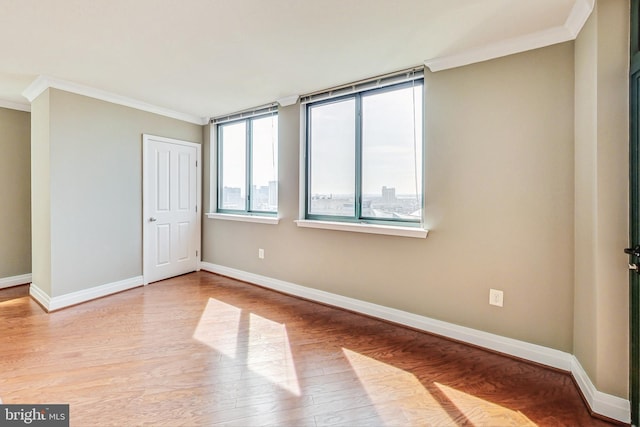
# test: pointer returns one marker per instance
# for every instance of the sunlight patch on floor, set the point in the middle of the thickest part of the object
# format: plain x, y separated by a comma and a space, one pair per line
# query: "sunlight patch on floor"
482, 412
14, 301
268, 340
388, 386
216, 315
260, 344
394, 391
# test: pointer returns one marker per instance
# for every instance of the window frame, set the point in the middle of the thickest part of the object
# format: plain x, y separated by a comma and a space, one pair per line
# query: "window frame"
238, 214
307, 218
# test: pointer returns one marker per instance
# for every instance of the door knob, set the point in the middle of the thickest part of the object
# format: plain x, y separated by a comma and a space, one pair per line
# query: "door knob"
152, 219
635, 251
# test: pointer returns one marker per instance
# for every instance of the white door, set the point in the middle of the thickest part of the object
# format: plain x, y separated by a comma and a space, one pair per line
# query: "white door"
171, 207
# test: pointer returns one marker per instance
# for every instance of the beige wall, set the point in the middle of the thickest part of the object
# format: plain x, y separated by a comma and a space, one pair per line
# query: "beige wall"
40, 193
15, 193
499, 197
95, 185
526, 179
601, 338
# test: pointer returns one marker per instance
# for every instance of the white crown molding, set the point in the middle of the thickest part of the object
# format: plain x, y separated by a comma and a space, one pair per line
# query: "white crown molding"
578, 17
603, 404
569, 31
500, 49
42, 83
39, 85
288, 100
15, 105
73, 298
8, 282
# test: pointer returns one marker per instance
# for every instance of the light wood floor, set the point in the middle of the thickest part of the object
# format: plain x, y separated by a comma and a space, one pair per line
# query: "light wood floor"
203, 350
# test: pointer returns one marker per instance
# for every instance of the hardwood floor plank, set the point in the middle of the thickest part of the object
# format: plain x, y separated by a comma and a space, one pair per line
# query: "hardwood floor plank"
202, 350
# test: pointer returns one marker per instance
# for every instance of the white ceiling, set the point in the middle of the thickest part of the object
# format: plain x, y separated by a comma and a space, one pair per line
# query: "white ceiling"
212, 57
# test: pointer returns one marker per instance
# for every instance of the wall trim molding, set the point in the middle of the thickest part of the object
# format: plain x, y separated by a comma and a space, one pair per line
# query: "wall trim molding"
39, 296
11, 105
600, 403
288, 100
8, 282
56, 303
578, 17
43, 82
568, 31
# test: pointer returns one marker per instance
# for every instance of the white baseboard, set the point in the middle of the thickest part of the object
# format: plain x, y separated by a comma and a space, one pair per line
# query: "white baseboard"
8, 282
600, 403
62, 301
40, 296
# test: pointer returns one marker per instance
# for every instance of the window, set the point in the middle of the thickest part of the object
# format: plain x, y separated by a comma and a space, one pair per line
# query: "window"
364, 156
248, 165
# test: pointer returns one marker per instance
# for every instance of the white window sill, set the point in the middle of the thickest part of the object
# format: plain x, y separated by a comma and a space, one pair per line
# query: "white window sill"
389, 230
261, 219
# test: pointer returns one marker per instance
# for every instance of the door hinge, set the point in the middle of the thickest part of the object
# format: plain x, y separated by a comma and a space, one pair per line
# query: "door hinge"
196, 163
196, 208
196, 253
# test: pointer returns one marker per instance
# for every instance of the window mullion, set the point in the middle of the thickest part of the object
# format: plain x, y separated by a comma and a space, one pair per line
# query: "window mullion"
307, 199
220, 167
248, 158
358, 157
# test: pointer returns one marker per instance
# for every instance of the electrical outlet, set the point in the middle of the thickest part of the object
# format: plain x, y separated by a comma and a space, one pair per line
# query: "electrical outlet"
496, 297
261, 253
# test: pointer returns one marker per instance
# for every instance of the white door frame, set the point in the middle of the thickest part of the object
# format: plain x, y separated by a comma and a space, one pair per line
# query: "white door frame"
146, 138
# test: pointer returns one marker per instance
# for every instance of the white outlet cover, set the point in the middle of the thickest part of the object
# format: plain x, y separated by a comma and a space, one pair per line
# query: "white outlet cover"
496, 297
